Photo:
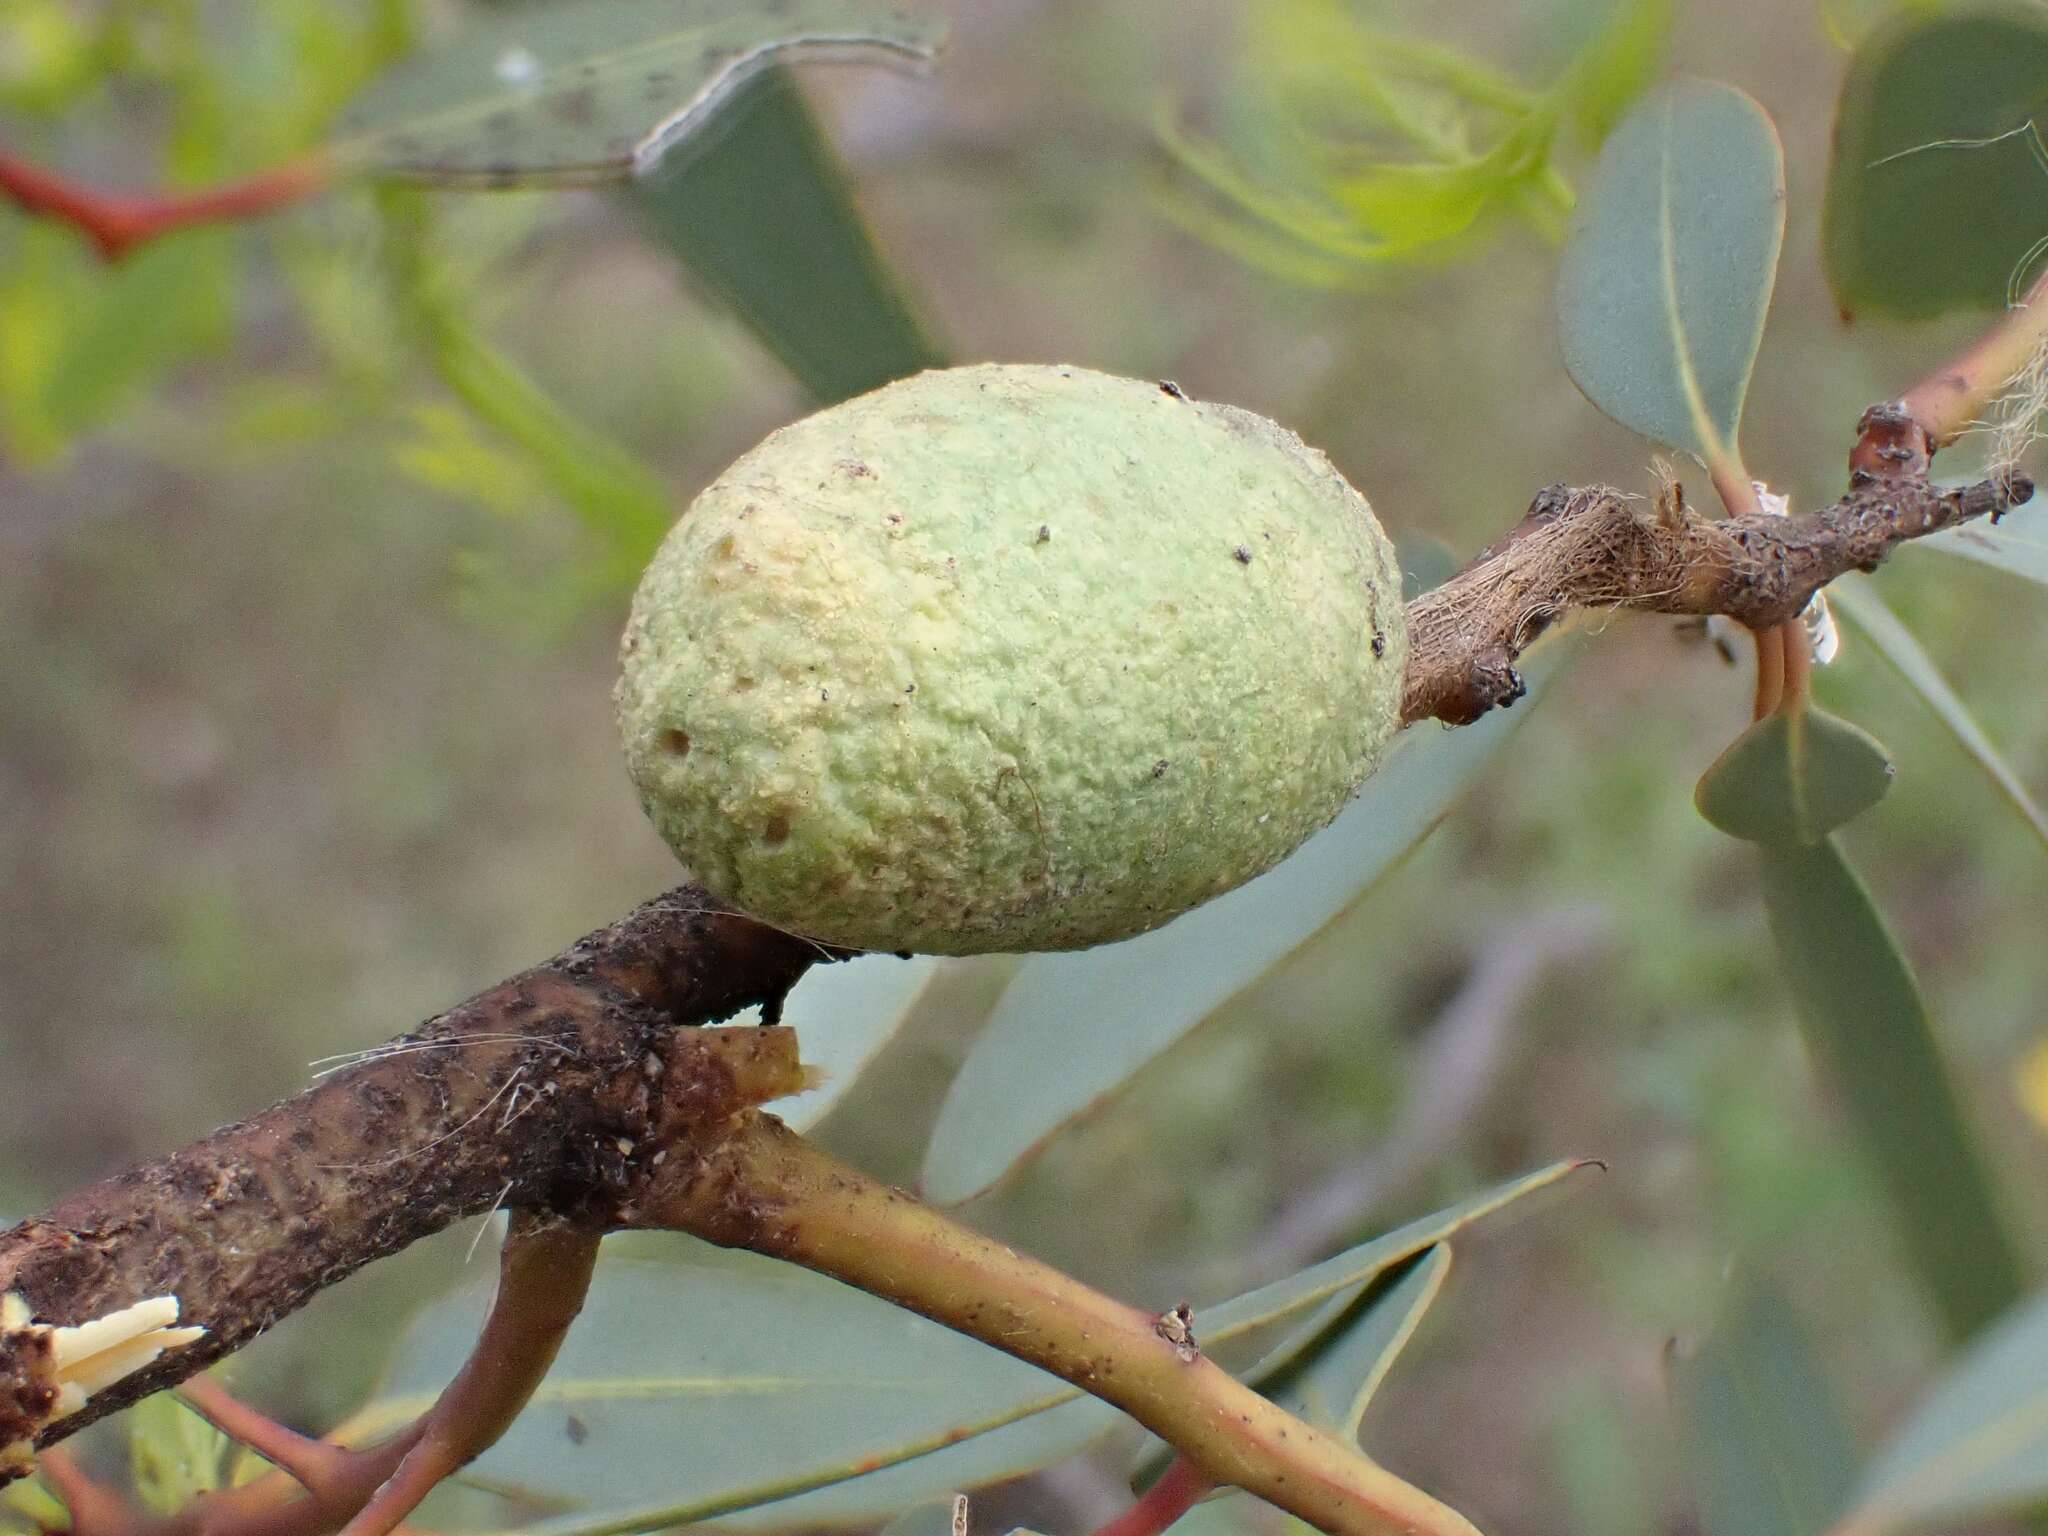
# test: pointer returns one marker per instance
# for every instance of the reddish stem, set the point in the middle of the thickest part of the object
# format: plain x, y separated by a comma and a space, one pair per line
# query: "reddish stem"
1948, 400
1770, 669
1182, 1486
118, 222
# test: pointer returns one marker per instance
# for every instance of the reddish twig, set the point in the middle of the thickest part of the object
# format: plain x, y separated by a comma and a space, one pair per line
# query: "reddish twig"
117, 223
1943, 404
1180, 1488
544, 1275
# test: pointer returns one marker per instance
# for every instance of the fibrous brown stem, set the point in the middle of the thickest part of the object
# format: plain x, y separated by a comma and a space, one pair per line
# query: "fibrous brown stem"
1595, 548
522, 1097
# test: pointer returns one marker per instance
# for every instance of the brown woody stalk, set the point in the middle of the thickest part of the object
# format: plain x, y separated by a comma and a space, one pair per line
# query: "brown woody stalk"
1597, 549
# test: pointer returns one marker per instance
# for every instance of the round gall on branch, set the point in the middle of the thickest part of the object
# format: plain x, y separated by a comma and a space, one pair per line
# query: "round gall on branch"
1008, 658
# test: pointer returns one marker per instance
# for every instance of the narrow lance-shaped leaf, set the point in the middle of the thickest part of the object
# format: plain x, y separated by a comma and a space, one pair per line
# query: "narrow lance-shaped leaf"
844, 1015
2018, 544
1938, 186
1771, 1454
1867, 1027
1072, 1029
759, 211
1859, 600
1668, 274
766, 1381
597, 90
1977, 1446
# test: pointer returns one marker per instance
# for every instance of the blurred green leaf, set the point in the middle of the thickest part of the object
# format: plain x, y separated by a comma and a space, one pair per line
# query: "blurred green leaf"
1072, 1029
1938, 186
759, 211
843, 1015
1793, 777
2019, 549
1668, 273
1977, 1445
1858, 598
768, 1381
80, 339
597, 90
1361, 148
1770, 1452
617, 498
1862, 1015
174, 1455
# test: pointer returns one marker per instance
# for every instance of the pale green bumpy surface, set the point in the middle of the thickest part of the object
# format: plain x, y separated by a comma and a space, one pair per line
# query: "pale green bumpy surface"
1009, 658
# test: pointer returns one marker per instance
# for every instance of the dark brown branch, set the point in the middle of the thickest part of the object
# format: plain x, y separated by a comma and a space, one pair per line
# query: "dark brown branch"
1595, 548
522, 1097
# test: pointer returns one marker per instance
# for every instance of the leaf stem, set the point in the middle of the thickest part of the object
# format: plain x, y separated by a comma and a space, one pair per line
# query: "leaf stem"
764, 1188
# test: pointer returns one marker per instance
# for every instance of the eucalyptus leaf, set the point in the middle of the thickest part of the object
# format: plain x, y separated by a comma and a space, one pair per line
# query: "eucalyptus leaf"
1977, 1445
579, 91
1793, 777
1938, 185
843, 1015
1667, 276
1865, 1023
1072, 1029
699, 1383
760, 213
1771, 1454
1859, 600
2019, 548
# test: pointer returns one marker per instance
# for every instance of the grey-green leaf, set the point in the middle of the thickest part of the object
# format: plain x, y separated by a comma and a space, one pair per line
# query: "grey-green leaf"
1938, 185
1072, 1029
1864, 1021
760, 214
1668, 273
1977, 1446
2017, 545
1858, 598
1771, 1454
1793, 777
843, 1015
580, 91
699, 1383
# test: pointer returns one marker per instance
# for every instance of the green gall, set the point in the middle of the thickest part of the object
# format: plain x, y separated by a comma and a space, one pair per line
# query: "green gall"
1009, 658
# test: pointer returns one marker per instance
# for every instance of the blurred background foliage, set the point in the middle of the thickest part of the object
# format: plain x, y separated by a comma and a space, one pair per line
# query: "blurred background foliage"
315, 538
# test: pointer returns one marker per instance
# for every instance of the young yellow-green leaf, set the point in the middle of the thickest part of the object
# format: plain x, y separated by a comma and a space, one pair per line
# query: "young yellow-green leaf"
1793, 777
1938, 186
760, 213
580, 91
1072, 1029
1668, 273
1858, 598
1977, 1446
1770, 1452
1860, 1009
699, 1383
